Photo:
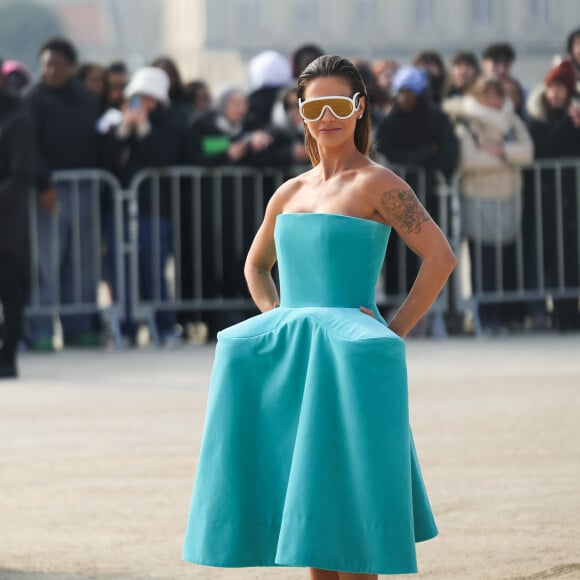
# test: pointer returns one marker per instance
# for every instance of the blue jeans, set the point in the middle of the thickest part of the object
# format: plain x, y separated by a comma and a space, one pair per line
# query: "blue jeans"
151, 275
72, 265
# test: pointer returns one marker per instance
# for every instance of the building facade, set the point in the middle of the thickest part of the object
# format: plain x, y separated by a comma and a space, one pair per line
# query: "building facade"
213, 39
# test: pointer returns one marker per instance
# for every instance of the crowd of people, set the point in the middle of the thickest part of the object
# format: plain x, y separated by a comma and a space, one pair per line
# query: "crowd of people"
468, 117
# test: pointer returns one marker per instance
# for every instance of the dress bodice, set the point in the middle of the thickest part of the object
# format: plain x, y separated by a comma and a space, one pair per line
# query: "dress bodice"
328, 259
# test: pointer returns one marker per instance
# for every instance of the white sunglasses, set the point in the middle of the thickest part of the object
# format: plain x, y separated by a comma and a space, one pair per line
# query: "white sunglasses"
340, 107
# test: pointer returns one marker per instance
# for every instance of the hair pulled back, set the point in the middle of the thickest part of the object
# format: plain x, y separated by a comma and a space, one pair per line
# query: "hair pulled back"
337, 66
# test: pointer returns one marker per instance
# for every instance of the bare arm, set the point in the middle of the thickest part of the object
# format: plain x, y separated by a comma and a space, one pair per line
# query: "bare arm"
401, 209
262, 257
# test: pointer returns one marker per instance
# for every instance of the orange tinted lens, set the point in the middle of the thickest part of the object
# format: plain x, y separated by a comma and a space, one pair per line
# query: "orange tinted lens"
312, 109
340, 107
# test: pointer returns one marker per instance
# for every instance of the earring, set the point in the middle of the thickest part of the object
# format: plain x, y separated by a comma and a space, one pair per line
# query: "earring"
360, 116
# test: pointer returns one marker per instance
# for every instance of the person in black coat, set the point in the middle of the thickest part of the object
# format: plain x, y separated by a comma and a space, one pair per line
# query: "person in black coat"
269, 72
17, 167
65, 115
222, 138
148, 136
554, 122
415, 133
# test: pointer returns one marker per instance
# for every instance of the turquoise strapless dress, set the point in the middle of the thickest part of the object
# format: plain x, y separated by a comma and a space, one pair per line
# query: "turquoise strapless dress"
307, 457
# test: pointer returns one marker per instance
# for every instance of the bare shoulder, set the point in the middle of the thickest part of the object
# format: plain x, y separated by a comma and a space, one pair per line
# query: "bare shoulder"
286, 192
396, 202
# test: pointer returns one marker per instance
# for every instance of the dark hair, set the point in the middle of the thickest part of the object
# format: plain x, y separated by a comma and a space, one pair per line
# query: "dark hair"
303, 56
337, 66
428, 58
117, 67
499, 52
63, 46
467, 58
285, 95
193, 88
86, 68
571, 37
176, 88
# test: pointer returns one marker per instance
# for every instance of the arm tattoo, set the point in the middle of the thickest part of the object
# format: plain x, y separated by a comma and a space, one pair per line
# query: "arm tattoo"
403, 207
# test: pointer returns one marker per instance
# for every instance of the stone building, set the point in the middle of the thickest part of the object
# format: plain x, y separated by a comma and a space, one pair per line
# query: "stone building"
214, 38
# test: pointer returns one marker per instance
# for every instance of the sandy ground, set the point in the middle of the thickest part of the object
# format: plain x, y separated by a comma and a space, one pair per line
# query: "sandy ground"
98, 452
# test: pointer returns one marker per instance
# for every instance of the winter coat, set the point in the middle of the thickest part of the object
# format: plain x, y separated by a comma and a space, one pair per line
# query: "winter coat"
553, 133
17, 171
125, 153
491, 204
207, 144
66, 131
422, 137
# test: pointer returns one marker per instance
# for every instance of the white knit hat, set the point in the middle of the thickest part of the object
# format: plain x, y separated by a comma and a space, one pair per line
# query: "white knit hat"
269, 69
149, 81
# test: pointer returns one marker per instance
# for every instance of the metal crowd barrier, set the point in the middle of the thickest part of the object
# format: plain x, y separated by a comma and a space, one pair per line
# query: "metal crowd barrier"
67, 245
212, 216
176, 240
541, 260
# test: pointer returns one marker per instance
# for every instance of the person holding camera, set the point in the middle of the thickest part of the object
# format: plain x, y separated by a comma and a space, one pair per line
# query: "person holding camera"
147, 136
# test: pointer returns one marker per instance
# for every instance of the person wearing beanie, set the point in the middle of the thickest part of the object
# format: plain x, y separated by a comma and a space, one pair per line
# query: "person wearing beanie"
554, 121
415, 133
148, 135
17, 77
563, 74
18, 155
269, 73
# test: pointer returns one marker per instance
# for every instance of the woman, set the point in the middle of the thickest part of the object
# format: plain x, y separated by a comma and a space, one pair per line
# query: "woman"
554, 119
307, 457
220, 136
148, 135
494, 140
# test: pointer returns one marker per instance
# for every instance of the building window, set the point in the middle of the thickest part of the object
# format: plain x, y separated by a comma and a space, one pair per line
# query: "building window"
539, 12
248, 15
306, 14
423, 12
365, 14
481, 12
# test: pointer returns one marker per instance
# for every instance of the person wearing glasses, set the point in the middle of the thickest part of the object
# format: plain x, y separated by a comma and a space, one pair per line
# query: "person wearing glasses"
307, 457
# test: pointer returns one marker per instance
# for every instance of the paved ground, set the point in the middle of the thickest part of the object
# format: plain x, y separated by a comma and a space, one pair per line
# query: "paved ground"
98, 451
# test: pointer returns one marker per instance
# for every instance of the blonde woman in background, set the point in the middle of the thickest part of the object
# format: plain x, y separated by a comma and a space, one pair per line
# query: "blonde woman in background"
494, 141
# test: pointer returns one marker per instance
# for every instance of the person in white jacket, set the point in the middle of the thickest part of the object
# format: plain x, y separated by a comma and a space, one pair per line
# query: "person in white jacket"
494, 142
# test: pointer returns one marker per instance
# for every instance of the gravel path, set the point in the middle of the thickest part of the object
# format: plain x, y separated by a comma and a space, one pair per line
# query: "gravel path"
98, 451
